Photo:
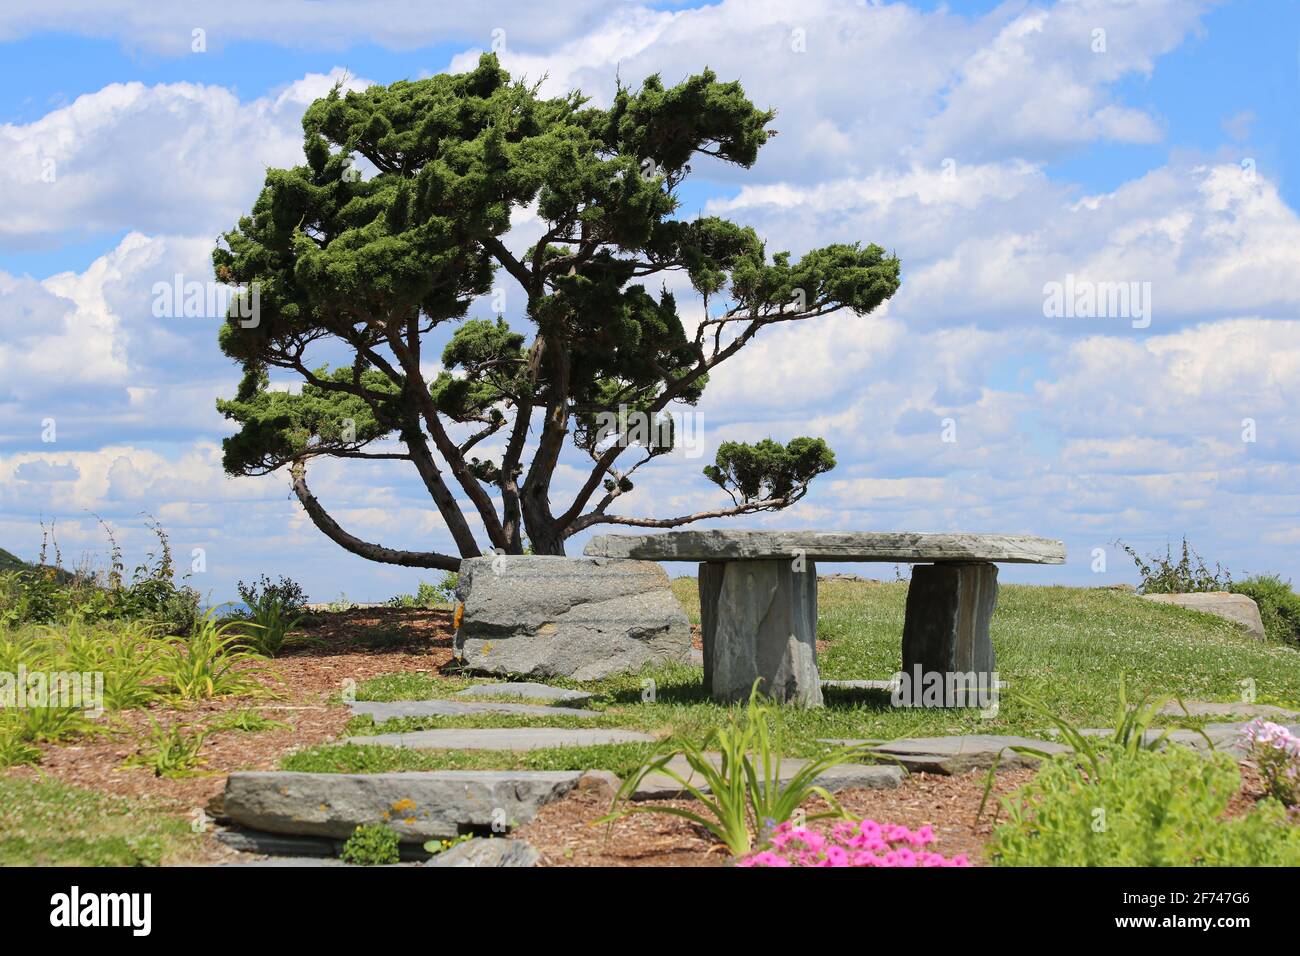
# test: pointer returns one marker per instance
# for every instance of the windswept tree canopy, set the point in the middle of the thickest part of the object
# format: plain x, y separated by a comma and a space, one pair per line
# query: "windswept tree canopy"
367, 267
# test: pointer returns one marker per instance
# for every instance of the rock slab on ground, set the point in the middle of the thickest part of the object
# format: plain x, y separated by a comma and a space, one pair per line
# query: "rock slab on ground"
485, 851
395, 709
955, 755
1238, 608
849, 776
503, 738
528, 691
419, 806
582, 618
1203, 708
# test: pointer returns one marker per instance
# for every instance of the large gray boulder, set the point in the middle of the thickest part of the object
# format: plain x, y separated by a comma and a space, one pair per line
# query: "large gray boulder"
1238, 608
580, 618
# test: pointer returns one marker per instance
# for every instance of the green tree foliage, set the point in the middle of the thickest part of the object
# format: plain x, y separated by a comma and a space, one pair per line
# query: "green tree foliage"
368, 266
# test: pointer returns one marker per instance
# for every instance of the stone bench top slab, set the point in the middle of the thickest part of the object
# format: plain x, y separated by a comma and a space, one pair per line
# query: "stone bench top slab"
513, 738
893, 546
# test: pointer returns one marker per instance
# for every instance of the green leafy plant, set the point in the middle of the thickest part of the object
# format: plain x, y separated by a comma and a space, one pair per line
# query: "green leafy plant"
1185, 575
1132, 723
442, 846
268, 625
1140, 808
372, 845
15, 751
428, 595
132, 667
210, 662
746, 798
1279, 605
170, 751
246, 720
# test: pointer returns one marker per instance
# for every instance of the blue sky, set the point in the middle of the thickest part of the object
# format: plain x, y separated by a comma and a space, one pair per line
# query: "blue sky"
993, 146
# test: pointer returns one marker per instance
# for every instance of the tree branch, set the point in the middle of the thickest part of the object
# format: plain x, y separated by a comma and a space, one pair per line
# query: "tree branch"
374, 552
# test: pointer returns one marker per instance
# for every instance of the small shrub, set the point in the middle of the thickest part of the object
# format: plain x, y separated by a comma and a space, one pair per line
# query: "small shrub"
1186, 575
1279, 606
850, 843
1140, 808
429, 596
286, 591
372, 845
1276, 751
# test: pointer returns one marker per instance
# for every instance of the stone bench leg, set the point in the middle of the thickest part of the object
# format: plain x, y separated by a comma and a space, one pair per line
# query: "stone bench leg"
946, 630
760, 621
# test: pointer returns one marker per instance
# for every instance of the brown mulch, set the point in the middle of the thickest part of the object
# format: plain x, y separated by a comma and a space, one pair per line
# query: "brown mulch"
355, 645
564, 834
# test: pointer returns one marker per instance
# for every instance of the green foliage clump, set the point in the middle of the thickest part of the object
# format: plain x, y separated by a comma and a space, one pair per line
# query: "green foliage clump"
768, 470
210, 662
1188, 574
169, 751
49, 594
287, 592
372, 845
1141, 808
1279, 605
429, 596
267, 625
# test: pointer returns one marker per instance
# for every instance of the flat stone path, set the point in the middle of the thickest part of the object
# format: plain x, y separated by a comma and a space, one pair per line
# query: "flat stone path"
849, 776
1202, 708
389, 710
514, 738
527, 690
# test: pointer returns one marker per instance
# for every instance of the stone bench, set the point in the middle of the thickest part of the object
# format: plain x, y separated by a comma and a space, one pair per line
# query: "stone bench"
758, 599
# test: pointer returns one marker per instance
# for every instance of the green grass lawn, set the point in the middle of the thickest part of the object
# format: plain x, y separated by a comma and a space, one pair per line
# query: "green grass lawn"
1066, 647
47, 823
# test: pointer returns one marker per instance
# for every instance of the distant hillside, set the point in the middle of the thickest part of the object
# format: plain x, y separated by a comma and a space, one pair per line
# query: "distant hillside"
10, 563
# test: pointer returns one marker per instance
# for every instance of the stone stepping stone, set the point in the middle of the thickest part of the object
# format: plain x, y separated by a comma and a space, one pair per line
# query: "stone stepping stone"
419, 805
389, 710
851, 776
484, 851
959, 754
527, 690
513, 738
1203, 708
